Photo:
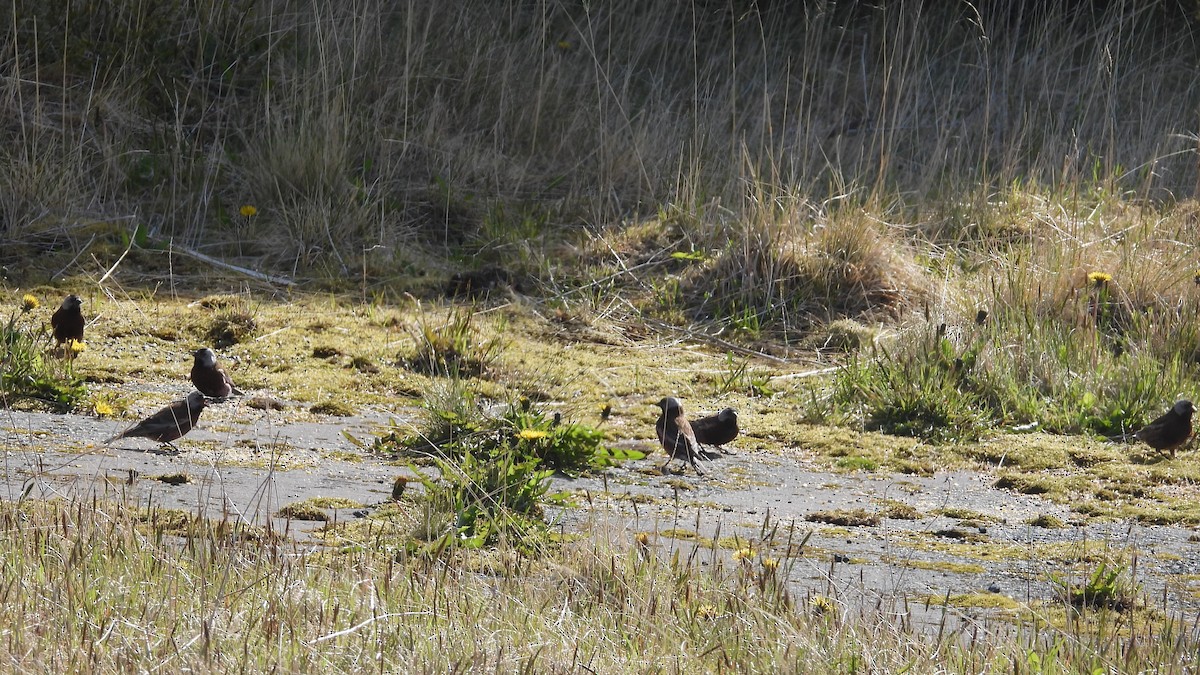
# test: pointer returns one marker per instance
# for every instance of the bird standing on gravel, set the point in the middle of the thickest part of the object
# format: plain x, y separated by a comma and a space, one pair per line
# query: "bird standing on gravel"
1171, 430
676, 434
67, 321
210, 378
717, 430
169, 423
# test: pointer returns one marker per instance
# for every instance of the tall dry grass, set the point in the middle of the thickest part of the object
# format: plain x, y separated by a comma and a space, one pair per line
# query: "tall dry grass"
369, 124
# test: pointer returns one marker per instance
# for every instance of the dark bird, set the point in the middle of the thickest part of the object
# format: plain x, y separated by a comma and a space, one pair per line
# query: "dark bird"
1171, 430
169, 423
67, 320
717, 430
676, 435
210, 378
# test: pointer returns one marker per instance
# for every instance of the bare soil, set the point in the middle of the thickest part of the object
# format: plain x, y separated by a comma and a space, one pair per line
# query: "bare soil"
970, 544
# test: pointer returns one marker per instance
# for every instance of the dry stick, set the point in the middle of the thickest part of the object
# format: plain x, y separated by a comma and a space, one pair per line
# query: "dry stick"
230, 266
132, 239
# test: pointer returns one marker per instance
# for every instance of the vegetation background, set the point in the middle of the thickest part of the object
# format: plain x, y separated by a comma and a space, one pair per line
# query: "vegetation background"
1005, 191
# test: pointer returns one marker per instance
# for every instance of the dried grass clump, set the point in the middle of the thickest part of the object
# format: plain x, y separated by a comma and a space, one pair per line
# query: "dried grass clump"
789, 276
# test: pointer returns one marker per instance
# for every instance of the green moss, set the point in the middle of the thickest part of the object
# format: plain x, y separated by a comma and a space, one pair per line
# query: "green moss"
1046, 521
332, 407
302, 511
845, 517
334, 503
976, 600
940, 566
897, 510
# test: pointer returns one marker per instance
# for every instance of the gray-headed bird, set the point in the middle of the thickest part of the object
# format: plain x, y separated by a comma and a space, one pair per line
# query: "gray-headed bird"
67, 321
209, 378
676, 435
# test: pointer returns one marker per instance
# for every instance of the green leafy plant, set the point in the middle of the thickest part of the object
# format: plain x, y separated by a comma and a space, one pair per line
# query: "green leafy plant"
1108, 587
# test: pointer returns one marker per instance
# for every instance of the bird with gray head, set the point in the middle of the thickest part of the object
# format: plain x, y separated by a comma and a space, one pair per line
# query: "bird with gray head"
209, 378
67, 321
717, 430
1171, 430
676, 436
169, 423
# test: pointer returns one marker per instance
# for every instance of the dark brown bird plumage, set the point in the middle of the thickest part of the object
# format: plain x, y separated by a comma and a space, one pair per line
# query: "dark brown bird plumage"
717, 430
67, 321
1171, 430
209, 378
169, 423
675, 435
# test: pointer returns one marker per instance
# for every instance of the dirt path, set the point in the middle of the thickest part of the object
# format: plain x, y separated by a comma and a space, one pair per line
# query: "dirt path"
247, 463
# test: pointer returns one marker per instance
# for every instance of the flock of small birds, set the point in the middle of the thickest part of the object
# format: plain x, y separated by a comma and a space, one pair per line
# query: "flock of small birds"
680, 438
174, 420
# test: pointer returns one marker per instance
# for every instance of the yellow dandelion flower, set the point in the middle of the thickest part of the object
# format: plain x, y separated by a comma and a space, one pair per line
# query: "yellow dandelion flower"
564, 45
744, 553
642, 538
248, 211
78, 347
821, 604
29, 302
1099, 278
706, 611
103, 409
770, 564
532, 434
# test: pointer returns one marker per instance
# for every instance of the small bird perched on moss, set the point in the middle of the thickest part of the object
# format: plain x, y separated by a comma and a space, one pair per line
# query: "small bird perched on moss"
676, 436
210, 378
1171, 430
168, 423
67, 321
717, 430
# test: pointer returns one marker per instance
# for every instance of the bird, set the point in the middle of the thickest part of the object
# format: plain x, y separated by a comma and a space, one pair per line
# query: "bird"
209, 378
67, 321
676, 435
717, 430
169, 423
1171, 430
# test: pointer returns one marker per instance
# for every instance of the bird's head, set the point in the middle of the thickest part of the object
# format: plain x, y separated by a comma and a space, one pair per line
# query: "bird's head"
670, 404
72, 301
205, 358
727, 415
1184, 408
197, 401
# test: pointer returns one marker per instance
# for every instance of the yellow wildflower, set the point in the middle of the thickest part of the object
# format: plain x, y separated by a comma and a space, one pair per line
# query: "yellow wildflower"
744, 553
770, 564
78, 347
1099, 278
531, 434
821, 604
642, 538
29, 302
248, 211
706, 611
564, 45
103, 409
